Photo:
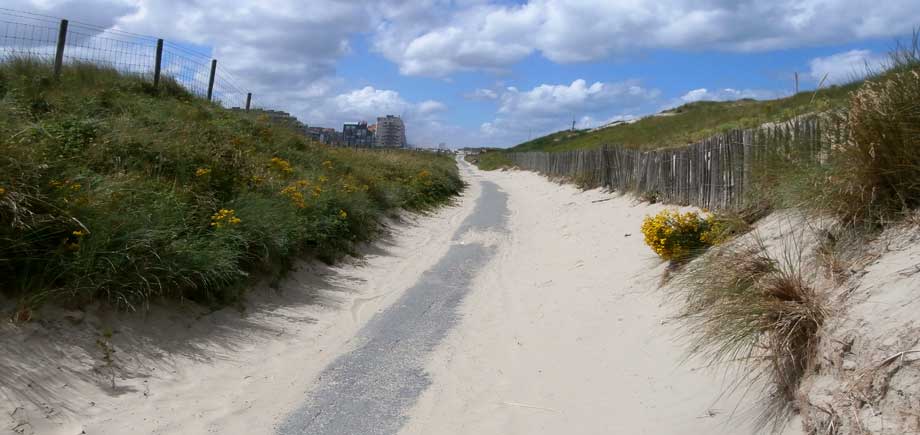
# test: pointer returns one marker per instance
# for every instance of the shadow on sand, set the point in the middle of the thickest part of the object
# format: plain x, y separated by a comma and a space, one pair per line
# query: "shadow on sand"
44, 363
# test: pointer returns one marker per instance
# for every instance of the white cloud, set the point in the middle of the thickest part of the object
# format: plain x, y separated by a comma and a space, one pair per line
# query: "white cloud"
429, 107
549, 100
726, 94
844, 67
368, 103
493, 37
552, 107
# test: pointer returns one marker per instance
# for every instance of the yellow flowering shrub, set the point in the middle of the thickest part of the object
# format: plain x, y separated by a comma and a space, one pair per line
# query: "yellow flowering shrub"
675, 236
224, 217
295, 195
281, 165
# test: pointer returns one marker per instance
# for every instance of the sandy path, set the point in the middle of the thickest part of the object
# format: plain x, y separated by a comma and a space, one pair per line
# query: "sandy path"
564, 332
368, 389
558, 330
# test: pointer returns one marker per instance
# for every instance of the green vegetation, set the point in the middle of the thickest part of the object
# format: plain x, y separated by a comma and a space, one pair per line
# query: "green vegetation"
490, 160
694, 121
113, 191
871, 174
875, 174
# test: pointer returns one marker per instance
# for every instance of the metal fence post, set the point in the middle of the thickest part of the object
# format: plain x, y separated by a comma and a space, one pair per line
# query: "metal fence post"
248, 100
59, 54
211, 80
158, 64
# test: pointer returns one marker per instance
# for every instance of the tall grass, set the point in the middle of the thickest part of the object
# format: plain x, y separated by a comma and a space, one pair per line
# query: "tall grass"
743, 304
874, 176
111, 190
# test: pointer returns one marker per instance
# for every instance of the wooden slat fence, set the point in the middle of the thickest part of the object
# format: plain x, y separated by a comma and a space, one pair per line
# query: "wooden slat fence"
712, 173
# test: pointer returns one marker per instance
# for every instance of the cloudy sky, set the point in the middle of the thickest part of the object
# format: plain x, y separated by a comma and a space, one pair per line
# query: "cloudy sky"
479, 72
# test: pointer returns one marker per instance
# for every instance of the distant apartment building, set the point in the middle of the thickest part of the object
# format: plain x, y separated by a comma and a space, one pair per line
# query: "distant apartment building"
325, 135
391, 132
357, 135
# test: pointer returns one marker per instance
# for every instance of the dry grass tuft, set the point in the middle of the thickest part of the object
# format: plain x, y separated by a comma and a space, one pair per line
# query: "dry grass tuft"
742, 304
876, 177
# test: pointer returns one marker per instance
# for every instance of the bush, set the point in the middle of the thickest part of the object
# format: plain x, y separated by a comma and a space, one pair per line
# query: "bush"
111, 190
676, 236
743, 305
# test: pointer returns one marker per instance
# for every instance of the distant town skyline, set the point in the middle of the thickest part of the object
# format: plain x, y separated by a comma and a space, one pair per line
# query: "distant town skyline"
495, 73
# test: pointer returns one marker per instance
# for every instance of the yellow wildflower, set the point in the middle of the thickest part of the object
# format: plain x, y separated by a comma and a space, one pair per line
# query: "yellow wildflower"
342, 214
79, 233
281, 165
323, 179
201, 172
294, 195
2, 191
224, 217
327, 164
673, 235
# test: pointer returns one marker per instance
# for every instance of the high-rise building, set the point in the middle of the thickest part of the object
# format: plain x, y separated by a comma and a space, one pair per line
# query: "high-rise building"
356, 134
391, 132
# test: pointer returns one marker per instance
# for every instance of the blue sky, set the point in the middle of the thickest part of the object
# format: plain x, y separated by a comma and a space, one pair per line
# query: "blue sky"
674, 73
494, 73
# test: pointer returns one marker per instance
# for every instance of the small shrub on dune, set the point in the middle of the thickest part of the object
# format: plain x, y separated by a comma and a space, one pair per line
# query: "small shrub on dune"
743, 305
680, 236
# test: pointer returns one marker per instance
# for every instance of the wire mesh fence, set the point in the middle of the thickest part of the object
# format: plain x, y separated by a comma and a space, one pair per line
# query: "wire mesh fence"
35, 36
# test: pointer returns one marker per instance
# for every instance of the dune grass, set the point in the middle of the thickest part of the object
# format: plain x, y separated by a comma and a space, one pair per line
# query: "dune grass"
744, 305
113, 191
874, 174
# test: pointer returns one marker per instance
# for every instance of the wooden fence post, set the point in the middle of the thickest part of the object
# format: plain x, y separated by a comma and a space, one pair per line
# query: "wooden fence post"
248, 100
59, 54
158, 63
211, 79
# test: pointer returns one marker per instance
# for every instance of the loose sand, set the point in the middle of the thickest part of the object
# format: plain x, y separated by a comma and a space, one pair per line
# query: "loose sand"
566, 331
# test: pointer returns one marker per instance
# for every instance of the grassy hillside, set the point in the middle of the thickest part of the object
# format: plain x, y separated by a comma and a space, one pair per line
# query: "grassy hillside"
113, 191
692, 122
